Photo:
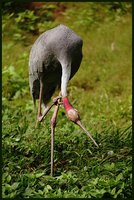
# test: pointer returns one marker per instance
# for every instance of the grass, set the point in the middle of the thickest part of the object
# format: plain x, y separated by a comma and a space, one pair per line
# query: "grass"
100, 91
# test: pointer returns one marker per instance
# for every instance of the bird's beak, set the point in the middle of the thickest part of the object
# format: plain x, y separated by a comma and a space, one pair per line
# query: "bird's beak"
88, 134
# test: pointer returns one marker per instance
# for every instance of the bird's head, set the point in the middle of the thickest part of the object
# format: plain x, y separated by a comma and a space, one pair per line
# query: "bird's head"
72, 113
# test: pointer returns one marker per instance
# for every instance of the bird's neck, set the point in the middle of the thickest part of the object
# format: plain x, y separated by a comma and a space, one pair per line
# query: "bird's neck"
66, 104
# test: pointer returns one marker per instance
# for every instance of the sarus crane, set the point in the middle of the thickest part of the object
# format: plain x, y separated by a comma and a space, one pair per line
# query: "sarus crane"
55, 57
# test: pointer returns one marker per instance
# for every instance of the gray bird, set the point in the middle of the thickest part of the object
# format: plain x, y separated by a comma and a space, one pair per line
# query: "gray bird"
54, 59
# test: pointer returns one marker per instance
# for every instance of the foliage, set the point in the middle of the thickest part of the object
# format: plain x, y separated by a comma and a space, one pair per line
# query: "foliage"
101, 92
29, 21
89, 14
35, 22
14, 85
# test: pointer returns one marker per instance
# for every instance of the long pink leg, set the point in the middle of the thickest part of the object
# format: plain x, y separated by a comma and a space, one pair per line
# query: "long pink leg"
53, 125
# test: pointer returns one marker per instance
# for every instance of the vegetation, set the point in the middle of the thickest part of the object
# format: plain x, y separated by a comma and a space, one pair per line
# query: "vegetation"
100, 91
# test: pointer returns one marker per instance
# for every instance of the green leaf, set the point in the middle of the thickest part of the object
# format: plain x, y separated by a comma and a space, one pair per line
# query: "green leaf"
15, 185
7, 187
49, 187
119, 191
95, 181
28, 192
119, 177
39, 175
12, 194
109, 167
113, 191
40, 192
17, 139
8, 178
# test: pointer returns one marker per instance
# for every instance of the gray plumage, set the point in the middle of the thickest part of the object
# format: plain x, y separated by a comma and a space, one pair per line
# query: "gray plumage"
53, 51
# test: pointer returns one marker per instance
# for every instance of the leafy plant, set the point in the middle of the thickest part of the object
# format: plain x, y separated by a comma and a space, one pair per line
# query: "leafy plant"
14, 85
36, 22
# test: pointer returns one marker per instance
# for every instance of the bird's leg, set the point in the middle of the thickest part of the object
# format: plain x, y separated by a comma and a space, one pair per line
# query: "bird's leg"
53, 125
39, 117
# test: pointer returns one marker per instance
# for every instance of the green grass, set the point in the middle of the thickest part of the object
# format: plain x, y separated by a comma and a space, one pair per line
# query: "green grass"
100, 91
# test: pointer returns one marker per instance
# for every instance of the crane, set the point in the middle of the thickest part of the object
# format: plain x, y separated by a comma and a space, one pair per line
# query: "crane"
54, 59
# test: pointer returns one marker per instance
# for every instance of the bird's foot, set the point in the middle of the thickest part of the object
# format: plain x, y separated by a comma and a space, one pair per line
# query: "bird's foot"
57, 100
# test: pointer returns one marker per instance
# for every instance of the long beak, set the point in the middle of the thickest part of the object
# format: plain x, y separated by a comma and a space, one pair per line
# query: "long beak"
88, 134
